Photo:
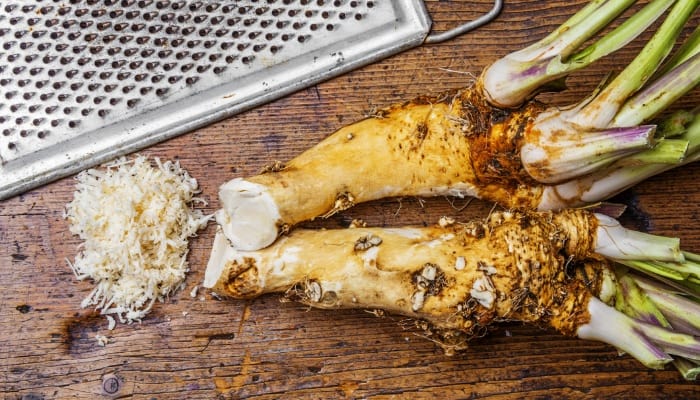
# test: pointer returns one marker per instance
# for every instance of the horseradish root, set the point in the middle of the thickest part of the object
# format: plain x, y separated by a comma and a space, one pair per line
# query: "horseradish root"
549, 269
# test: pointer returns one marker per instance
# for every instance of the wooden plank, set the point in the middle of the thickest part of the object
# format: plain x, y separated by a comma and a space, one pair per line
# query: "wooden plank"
205, 348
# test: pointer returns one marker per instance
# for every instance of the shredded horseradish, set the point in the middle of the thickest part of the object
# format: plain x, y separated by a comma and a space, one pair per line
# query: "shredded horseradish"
135, 219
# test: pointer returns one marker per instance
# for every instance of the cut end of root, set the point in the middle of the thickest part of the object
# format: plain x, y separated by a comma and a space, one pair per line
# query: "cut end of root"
250, 216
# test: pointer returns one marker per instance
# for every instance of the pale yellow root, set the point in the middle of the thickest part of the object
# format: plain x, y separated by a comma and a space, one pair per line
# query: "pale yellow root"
459, 277
428, 147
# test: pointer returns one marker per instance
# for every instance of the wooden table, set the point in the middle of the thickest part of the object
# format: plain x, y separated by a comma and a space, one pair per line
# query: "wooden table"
206, 348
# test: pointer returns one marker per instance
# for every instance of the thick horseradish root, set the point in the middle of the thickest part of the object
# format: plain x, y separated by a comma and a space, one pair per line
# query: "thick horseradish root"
548, 269
491, 140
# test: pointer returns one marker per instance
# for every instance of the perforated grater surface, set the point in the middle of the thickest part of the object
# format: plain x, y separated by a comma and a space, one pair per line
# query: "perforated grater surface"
83, 81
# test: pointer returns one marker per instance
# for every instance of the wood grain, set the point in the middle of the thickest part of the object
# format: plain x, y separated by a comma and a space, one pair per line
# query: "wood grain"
204, 348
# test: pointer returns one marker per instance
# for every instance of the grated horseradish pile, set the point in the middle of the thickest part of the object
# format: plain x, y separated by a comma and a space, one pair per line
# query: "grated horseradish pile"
135, 219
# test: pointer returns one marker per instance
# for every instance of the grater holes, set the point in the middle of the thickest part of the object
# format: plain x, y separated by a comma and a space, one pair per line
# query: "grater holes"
104, 25
178, 5
38, 34
145, 3
20, 34
167, 17
212, 7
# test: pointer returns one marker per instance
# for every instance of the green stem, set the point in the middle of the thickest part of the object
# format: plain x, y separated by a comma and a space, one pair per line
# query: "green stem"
666, 151
623, 34
690, 48
662, 93
600, 112
518, 76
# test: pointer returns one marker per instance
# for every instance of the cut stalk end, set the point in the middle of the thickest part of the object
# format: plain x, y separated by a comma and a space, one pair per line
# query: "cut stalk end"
558, 156
250, 216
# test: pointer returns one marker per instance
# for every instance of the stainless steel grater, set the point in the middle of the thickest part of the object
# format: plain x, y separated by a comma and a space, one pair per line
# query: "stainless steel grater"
84, 81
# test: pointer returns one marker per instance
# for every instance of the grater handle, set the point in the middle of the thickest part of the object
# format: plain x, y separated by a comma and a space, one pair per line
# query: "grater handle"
467, 26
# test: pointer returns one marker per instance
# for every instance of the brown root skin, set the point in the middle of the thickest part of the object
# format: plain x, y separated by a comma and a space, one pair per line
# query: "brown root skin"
455, 144
516, 266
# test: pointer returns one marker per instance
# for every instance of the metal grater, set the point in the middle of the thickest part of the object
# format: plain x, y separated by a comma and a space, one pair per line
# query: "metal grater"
84, 81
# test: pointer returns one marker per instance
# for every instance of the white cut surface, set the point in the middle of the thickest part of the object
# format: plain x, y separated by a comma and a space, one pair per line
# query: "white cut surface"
134, 217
